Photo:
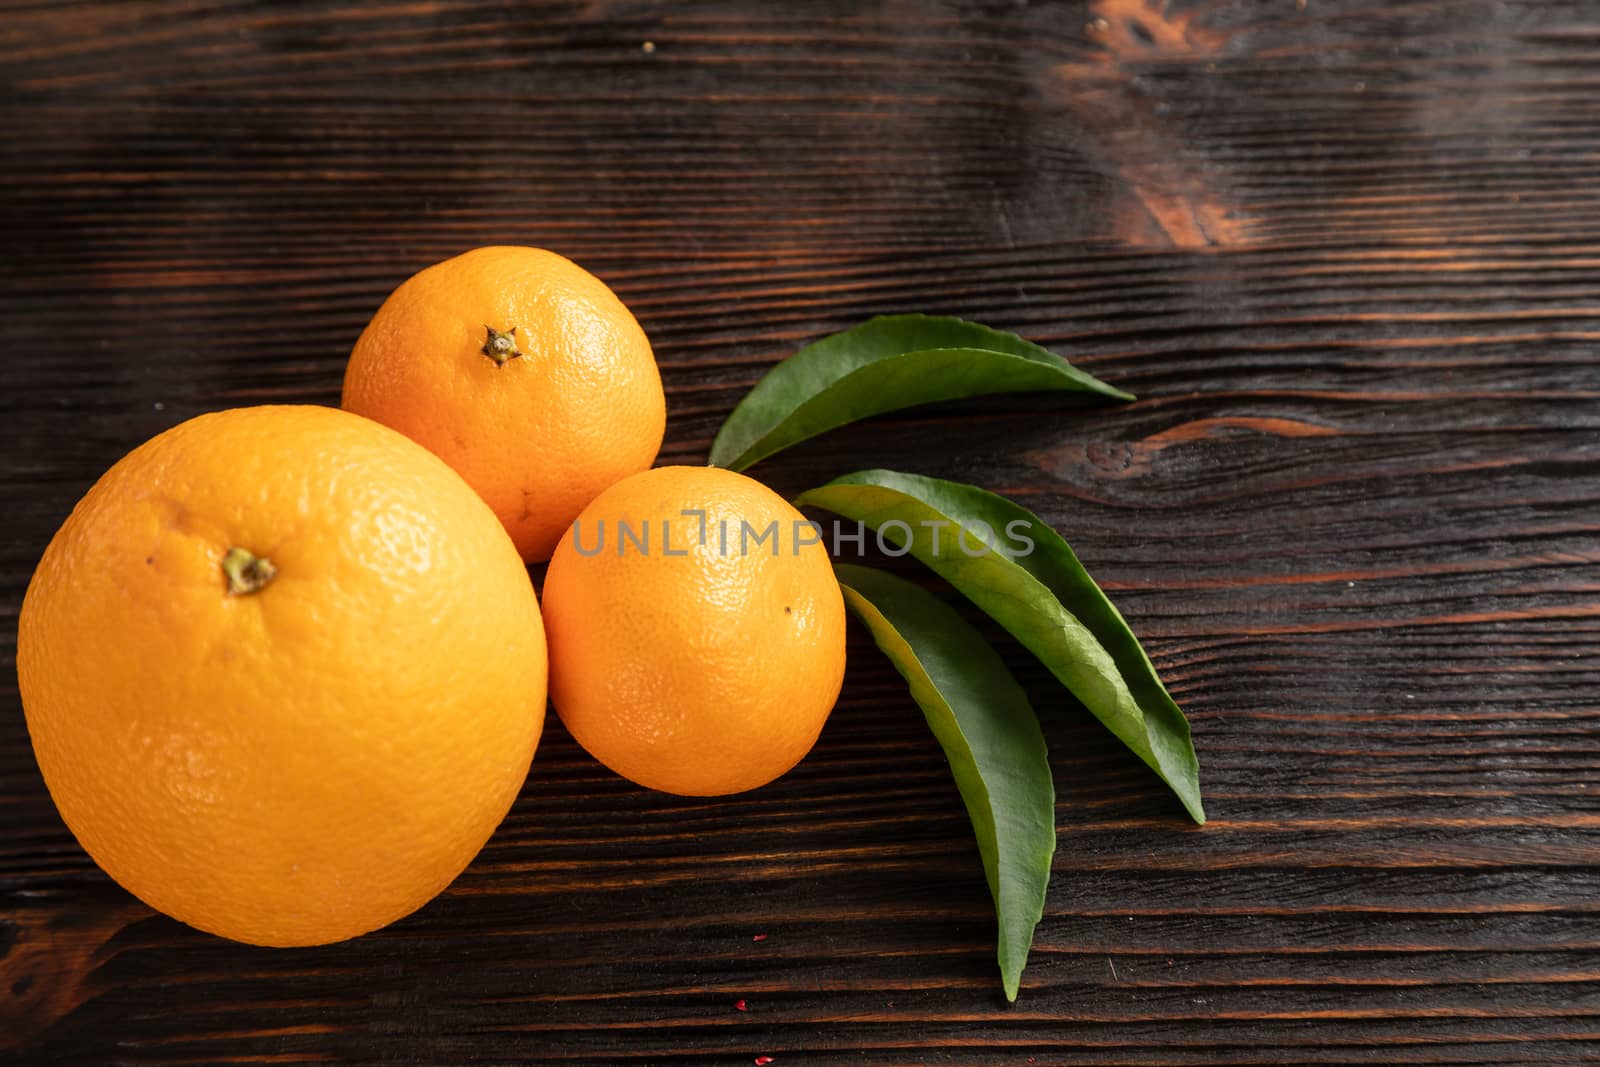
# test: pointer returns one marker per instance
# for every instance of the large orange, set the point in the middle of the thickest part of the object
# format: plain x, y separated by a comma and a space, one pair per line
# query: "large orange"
525, 373
696, 631
283, 672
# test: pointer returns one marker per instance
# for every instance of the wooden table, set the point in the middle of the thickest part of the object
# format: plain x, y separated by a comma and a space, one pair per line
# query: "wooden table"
1346, 252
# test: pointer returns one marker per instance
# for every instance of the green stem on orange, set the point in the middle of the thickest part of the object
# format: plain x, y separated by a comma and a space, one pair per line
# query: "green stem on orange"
246, 572
501, 347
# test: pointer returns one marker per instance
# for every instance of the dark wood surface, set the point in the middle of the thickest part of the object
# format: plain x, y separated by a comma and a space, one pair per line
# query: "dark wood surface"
1347, 252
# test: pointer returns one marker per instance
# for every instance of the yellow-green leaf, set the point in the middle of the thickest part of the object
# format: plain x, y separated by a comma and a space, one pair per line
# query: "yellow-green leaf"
982, 718
1019, 570
888, 363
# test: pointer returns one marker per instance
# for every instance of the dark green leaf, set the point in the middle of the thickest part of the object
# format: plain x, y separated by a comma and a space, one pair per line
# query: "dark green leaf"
982, 718
887, 363
1042, 596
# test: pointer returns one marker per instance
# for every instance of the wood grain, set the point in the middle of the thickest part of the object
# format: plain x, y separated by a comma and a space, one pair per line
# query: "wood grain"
1345, 252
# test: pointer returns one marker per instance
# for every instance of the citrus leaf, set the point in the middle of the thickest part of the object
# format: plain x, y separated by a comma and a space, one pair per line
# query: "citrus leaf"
1020, 571
887, 363
989, 733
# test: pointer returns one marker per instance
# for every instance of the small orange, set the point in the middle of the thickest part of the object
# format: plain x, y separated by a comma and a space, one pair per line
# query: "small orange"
525, 373
696, 629
283, 672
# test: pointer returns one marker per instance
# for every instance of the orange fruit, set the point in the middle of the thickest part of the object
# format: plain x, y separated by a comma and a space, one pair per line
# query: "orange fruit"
696, 631
523, 372
283, 672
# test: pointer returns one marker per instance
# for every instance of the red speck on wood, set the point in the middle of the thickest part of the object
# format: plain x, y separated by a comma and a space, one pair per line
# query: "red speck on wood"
759, 937
762, 1061
740, 1005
